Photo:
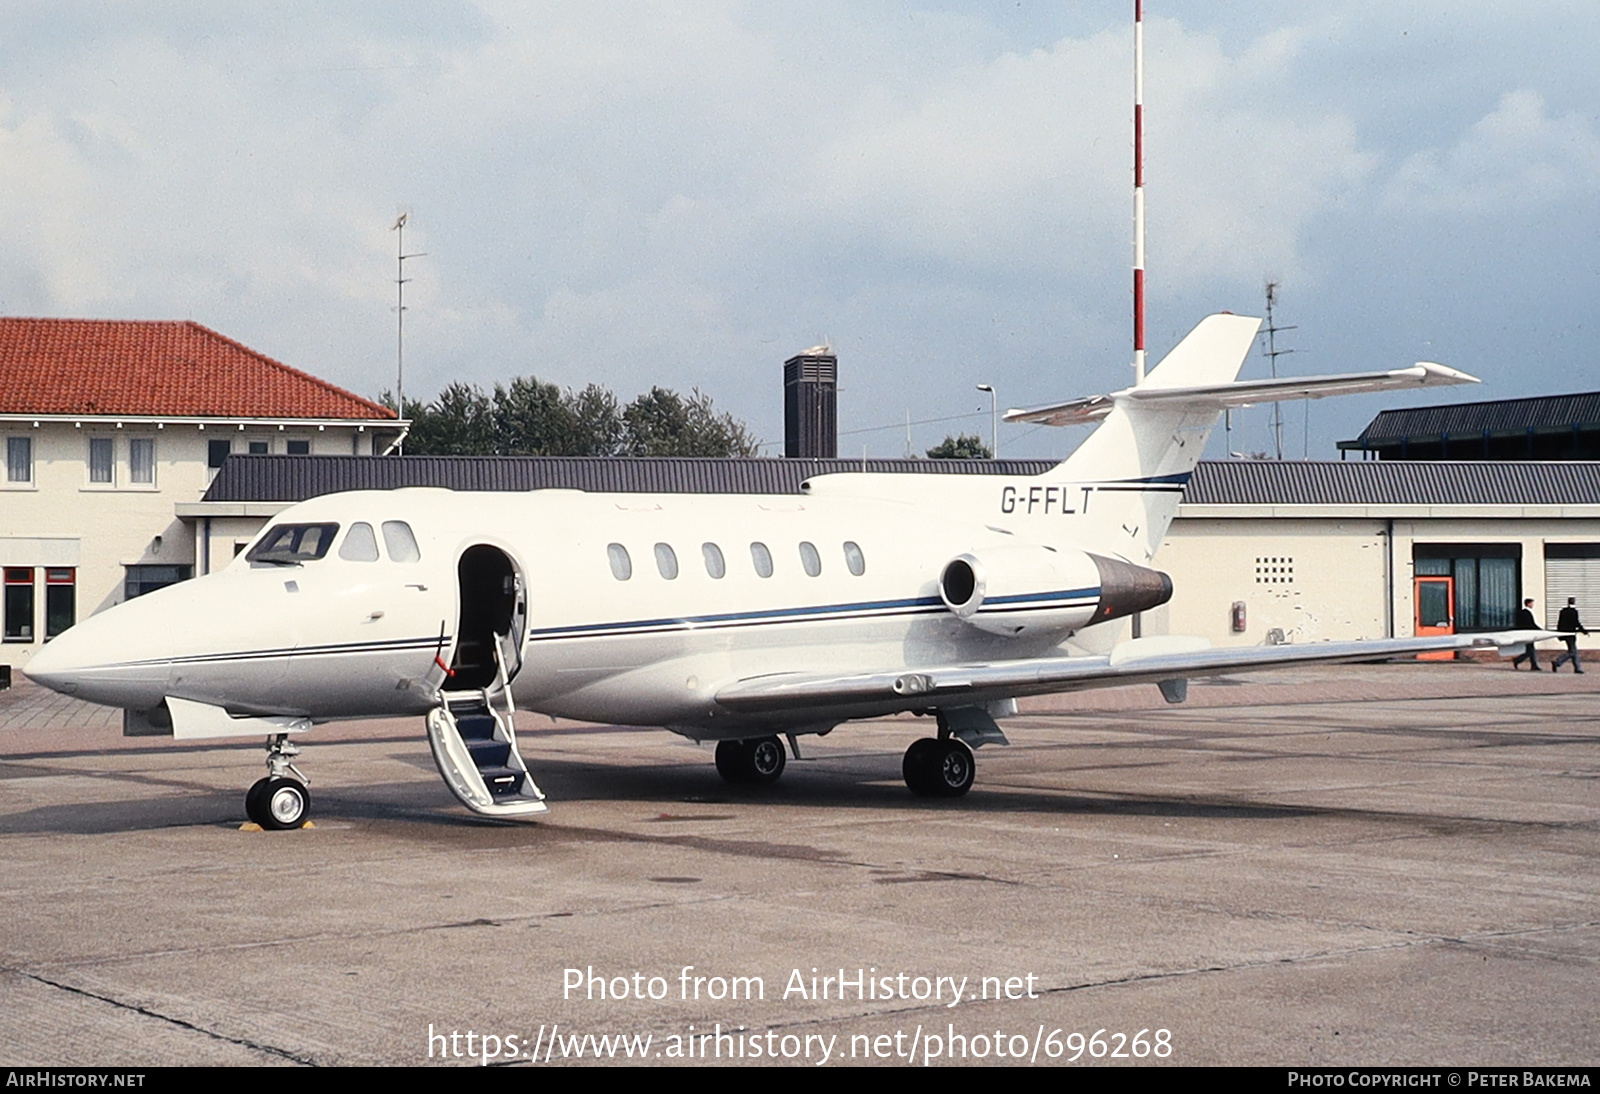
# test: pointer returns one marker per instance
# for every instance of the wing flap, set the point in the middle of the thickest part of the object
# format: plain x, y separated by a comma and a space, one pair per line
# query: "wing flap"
1128, 663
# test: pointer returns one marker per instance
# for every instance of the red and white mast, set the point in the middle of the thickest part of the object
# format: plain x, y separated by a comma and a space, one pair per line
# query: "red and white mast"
1138, 191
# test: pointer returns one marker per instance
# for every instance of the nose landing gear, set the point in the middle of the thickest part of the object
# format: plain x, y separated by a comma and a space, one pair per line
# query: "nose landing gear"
280, 801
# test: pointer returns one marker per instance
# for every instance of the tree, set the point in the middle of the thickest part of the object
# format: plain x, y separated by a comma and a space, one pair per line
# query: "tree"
530, 418
663, 423
965, 446
460, 422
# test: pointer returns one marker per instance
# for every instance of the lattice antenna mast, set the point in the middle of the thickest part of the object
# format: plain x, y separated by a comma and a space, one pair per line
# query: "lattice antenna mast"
1273, 353
1138, 191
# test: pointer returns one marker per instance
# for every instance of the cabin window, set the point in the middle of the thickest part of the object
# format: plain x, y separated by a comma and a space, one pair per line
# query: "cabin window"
399, 542
715, 566
762, 558
621, 564
288, 544
810, 559
854, 559
666, 561
360, 545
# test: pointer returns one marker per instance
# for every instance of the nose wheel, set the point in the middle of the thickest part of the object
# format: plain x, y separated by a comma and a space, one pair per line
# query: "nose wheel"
282, 800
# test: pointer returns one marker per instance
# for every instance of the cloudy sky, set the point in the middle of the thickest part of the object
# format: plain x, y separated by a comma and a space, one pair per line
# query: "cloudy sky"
685, 194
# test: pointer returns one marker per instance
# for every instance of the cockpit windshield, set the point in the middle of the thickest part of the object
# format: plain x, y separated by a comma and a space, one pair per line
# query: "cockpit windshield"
292, 544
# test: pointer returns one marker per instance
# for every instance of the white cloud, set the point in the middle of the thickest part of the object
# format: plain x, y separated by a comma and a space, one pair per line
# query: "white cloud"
1514, 159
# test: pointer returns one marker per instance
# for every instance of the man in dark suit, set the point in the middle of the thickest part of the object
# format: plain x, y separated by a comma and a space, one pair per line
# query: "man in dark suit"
1570, 627
1525, 622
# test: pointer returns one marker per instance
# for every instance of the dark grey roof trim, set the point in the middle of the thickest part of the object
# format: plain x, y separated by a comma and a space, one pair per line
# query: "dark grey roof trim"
1462, 421
296, 478
1393, 482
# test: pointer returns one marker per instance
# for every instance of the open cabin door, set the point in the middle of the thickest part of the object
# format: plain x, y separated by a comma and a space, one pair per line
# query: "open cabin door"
494, 614
471, 733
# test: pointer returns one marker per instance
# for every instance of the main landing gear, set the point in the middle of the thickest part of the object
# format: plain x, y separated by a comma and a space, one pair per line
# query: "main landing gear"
757, 760
938, 768
282, 799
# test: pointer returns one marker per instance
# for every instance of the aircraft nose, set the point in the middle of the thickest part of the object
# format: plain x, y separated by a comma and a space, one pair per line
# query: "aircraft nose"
105, 659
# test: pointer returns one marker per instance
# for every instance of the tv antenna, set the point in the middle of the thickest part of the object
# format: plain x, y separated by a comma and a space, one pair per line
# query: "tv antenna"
400, 280
1273, 353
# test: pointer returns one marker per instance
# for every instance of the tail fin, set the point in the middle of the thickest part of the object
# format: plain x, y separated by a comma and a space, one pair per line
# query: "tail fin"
1134, 467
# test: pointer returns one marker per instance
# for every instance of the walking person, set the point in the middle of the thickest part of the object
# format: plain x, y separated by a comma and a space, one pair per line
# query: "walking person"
1525, 622
1570, 627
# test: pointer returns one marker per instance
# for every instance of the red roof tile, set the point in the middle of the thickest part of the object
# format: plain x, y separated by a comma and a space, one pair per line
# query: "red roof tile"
144, 368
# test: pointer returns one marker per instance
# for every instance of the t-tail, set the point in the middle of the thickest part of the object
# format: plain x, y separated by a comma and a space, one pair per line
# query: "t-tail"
1132, 470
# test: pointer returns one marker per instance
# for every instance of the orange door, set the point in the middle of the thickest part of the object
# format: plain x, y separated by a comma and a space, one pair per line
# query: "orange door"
1435, 600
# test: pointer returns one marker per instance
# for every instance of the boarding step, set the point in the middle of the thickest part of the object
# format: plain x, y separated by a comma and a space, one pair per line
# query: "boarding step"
475, 748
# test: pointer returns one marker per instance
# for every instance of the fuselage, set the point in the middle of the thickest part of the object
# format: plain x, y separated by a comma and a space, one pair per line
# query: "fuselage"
628, 608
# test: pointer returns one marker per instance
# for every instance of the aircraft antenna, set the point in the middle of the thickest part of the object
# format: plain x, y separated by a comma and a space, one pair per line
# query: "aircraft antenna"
1138, 191
400, 280
1273, 353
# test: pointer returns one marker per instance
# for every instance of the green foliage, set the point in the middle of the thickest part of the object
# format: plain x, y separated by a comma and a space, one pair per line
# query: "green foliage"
966, 446
531, 418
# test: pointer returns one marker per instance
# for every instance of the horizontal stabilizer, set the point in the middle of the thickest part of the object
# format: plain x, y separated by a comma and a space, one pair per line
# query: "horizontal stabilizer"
1242, 393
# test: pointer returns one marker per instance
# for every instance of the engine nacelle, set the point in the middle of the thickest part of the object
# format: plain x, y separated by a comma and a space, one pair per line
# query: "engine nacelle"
1014, 591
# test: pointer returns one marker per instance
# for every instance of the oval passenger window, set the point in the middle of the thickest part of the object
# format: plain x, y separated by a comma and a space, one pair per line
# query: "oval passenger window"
621, 564
666, 561
713, 556
854, 559
762, 558
810, 559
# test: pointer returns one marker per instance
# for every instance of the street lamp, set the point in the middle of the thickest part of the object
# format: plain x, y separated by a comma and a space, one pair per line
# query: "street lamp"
994, 421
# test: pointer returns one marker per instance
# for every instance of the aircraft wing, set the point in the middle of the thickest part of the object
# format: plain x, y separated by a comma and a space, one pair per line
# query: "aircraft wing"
1243, 393
1140, 660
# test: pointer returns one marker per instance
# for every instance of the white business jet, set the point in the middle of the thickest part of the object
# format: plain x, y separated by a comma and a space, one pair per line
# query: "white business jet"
740, 619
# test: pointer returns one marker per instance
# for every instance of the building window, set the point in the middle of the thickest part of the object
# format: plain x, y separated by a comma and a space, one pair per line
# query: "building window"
19, 604
19, 459
60, 600
260, 448
298, 448
142, 461
147, 579
100, 459
217, 453
1488, 579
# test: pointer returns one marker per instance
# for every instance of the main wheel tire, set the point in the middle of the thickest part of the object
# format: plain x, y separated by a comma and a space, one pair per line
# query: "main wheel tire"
766, 760
733, 760
916, 768
952, 768
758, 760
278, 803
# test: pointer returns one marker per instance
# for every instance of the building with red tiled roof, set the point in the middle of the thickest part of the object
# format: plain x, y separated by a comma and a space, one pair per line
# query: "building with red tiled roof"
157, 369
110, 428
